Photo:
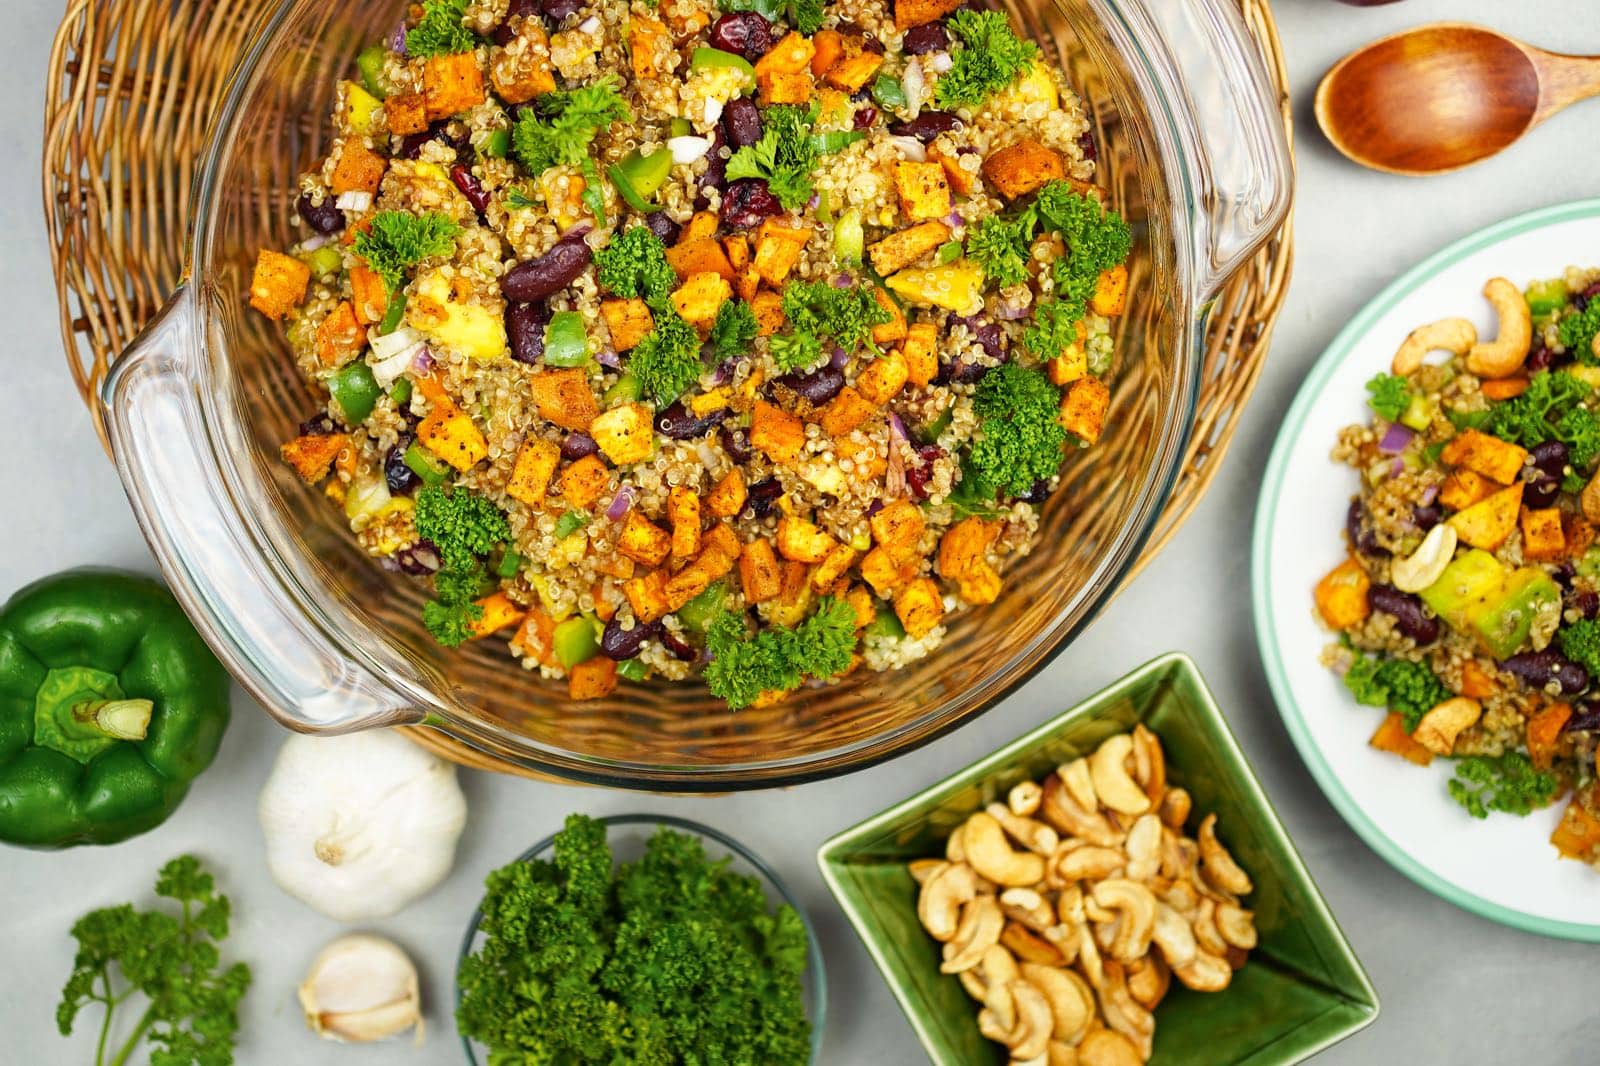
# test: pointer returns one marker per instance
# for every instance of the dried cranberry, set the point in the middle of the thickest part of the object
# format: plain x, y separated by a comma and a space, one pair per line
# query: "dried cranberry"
1038, 493
1586, 603
525, 324
661, 224
681, 649
578, 445
736, 442
618, 643
1086, 145
926, 126
1540, 358
1427, 515
547, 275
744, 33
396, 474
763, 495
986, 333
747, 202
865, 117
1581, 301
470, 187
920, 473
325, 217
928, 37
742, 122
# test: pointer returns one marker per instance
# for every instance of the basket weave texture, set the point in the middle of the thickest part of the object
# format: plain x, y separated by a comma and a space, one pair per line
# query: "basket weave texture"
132, 86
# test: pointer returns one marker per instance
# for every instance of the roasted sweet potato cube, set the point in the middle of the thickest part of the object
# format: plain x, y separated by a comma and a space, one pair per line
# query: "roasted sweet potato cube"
407, 113
1341, 595
803, 541
899, 527
592, 679
727, 499
792, 55
919, 606
720, 547
924, 192
584, 481
1069, 366
369, 293
531, 473
1499, 461
1463, 488
535, 638
700, 297
831, 569
647, 595
794, 595
689, 582
647, 37
778, 249
883, 378
846, 411
1487, 523
909, 13
1476, 682
1111, 292
629, 321
737, 248
643, 541
855, 68
862, 603
699, 256
1393, 738
960, 178
340, 337
1580, 534
900, 250
626, 433
768, 309
759, 572
791, 89
1542, 536
450, 433
829, 45
1503, 388
701, 225
964, 546
564, 397
747, 283
777, 433
893, 330
1024, 167
683, 513
498, 613
451, 84
1083, 409
279, 284
359, 169
885, 572
979, 585
523, 70
312, 455
921, 351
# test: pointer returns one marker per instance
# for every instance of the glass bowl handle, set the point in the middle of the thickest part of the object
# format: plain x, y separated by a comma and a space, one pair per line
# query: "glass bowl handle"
1227, 128
154, 402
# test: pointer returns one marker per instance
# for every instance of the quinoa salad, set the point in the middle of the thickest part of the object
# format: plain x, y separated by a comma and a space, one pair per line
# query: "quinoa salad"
672, 340
1467, 608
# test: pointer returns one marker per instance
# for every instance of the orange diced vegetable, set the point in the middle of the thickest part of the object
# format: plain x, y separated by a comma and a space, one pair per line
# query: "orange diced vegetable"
720, 547
792, 89
900, 250
564, 397
863, 456
778, 249
625, 433
792, 55
1503, 388
498, 613
919, 606
592, 679
683, 512
1083, 409
829, 45
768, 309
523, 71
960, 178
924, 192
894, 329
883, 378
737, 248
727, 499
747, 283
279, 284
861, 601
535, 638
340, 337
803, 541
312, 455
909, 13
1024, 167
1393, 738
643, 541
702, 225
450, 433
899, 526
1341, 595
1487, 523
921, 352
531, 473
885, 571
629, 321
1542, 536
1497, 460
759, 572
830, 570
777, 433
369, 293
407, 113
1111, 292
1476, 682
647, 36
846, 411
1578, 832
1463, 488
451, 84
1544, 733
1580, 534
700, 297
855, 68
1070, 365
359, 169
647, 595
699, 256
584, 481
964, 546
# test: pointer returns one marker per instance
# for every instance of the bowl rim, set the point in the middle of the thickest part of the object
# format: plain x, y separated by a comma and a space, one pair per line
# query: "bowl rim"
1168, 664
816, 978
1271, 654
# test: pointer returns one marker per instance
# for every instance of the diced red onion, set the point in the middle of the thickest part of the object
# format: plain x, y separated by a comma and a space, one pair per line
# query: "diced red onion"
1011, 310
724, 373
620, 504
608, 358
315, 241
839, 358
397, 39
1430, 494
1397, 467
842, 281
894, 484
423, 362
954, 219
1395, 440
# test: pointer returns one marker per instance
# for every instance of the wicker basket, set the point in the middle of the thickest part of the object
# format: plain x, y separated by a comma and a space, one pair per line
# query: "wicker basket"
131, 88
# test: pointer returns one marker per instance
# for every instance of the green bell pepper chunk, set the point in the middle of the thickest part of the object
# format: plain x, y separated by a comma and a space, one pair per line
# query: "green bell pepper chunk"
886, 624
325, 261
626, 389
633, 670
638, 177
889, 92
356, 391
849, 238
565, 342
432, 470
679, 127
701, 611
498, 144
1546, 297
400, 392
717, 59
369, 61
569, 523
393, 315
575, 641
929, 434
948, 252
110, 704
510, 564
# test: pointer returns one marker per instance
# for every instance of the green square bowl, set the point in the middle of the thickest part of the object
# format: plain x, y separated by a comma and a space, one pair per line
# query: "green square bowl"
1302, 989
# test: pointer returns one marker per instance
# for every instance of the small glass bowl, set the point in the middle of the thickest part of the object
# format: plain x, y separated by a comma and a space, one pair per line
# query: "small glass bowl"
626, 847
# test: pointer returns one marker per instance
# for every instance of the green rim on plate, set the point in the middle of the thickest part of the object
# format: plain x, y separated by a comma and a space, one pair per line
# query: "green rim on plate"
1261, 578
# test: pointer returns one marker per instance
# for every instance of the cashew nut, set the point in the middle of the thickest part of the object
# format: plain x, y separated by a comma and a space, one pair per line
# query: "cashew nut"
1149, 764
1028, 907
1023, 799
1237, 925
1206, 933
1075, 775
1029, 832
922, 869
954, 847
1175, 808
1107, 1047
1441, 726
1029, 946
979, 930
1071, 1001
1221, 871
1423, 567
1059, 1054
1171, 933
1086, 863
1453, 335
1123, 1013
943, 894
990, 854
1148, 979
1504, 356
1206, 973
1031, 1034
1135, 907
1089, 957
1064, 812
1179, 856
1143, 848
1116, 789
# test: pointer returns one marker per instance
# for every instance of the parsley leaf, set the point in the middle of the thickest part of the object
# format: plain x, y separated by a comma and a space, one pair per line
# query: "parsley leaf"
1506, 783
1580, 642
778, 658
465, 527
634, 264
784, 156
733, 331
1019, 439
1390, 396
1408, 688
991, 58
667, 362
193, 1011
440, 31
399, 240
1551, 408
794, 351
823, 310
560, 126
1097, 239
1000, 247
1577, 333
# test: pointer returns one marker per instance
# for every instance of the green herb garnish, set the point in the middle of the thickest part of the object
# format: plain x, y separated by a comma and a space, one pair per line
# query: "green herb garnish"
1507, 783
399, 240
778, 658
784, 156
441, 30
1389, 396
1410, 689
1019, 440
991, 57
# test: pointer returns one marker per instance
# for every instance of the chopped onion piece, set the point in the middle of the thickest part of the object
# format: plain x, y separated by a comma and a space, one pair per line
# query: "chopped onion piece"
385, 371
939, 62
910, 147
687, 149
403, 339
915, 86
713, 111
590, 24
1395, 440
356, 200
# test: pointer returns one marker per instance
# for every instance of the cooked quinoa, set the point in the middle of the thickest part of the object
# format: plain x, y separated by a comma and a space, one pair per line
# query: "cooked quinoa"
1468, 605
670, 341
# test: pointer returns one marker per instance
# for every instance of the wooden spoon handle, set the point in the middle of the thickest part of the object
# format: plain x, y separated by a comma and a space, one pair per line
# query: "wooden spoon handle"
1563, 80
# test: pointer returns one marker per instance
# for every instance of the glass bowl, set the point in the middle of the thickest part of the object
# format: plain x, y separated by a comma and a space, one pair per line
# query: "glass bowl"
1192, 151
744, 861
1303, 988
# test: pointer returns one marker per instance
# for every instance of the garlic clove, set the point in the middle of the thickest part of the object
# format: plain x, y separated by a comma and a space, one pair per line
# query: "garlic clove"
361, 988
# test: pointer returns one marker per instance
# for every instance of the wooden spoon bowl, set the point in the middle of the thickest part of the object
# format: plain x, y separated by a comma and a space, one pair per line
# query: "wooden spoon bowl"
1444, 96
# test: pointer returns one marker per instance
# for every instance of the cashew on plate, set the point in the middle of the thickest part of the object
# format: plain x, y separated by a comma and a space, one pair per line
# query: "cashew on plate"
1067, 911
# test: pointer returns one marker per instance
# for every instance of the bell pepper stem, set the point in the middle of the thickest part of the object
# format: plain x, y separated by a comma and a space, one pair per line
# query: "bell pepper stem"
118, 719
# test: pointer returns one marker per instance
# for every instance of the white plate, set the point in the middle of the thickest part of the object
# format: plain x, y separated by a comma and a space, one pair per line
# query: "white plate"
1502, 868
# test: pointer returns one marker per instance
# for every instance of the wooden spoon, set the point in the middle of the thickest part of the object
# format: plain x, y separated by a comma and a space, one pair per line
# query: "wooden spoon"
1444, 96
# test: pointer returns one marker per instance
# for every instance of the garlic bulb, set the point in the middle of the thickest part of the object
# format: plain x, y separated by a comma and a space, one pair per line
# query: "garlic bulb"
361, 988
358, 826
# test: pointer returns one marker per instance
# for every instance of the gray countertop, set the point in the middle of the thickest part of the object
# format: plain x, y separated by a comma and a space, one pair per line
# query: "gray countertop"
1455, 988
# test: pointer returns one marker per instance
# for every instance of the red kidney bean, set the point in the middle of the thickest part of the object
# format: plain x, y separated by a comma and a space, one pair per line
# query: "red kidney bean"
525, 324
1427, 516
736, 442
746, 202
1540, 492
540, 278
926, 126
1550, 457
920, 474
1362, 539
659, 223
1540, 357
558, 10
470, 187
325, 217
677, 423
763, 495
1407, 610
618, 643
744, 33
1536, 669
864, 119
928, 37
1586, 720
578, 445
741, 121
817, 387
396, 474
1586, 602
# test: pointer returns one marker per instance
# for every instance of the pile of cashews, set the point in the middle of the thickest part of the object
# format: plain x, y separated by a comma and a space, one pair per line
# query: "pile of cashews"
1499, 358
1066, 910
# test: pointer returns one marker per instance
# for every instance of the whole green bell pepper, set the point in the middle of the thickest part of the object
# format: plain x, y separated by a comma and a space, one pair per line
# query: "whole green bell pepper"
110, 704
